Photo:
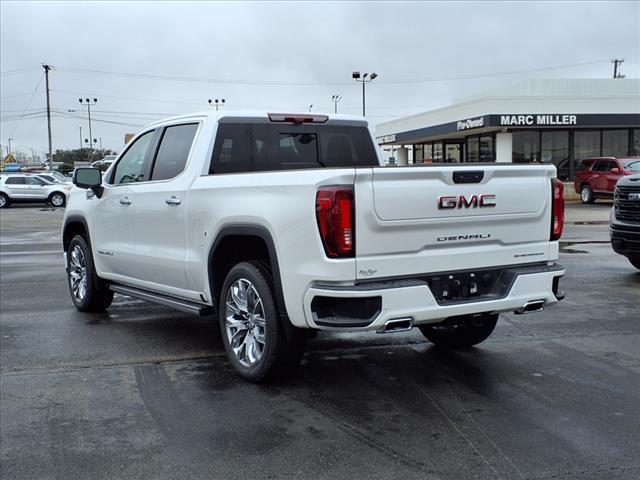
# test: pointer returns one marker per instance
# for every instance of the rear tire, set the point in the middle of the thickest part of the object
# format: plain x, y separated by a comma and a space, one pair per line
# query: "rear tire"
586, 194
4, 201
252, 330
88, 292
57, 199
461, 332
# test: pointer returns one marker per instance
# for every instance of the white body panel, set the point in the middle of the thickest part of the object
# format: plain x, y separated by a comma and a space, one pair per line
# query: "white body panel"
166, 248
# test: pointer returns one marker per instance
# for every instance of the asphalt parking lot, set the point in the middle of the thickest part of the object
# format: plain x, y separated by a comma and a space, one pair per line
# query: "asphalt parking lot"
145, 392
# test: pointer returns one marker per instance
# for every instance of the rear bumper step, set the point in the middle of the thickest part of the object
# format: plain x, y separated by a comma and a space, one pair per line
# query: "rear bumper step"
186, 306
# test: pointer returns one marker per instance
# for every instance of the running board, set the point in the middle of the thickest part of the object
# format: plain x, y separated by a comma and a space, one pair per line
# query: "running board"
173, 302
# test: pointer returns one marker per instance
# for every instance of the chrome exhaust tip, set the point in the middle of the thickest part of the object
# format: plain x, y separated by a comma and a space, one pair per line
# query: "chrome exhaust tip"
396, 325
530, 307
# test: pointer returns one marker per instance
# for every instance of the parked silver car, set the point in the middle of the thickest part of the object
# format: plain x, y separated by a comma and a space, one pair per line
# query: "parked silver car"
29, 188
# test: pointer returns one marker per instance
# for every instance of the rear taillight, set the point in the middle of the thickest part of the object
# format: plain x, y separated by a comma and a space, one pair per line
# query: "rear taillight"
557, 208
334, 212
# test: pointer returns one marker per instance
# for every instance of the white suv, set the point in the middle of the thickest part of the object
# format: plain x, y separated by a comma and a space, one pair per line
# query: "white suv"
27, 188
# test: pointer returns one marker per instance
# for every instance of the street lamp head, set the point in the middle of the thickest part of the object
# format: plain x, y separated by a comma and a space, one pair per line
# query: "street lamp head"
365, 76
355, 75
223, 100
87, 100
373, 76
95, 100
80, 100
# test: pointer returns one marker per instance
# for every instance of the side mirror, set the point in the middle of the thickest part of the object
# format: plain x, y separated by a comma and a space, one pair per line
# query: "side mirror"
89, 178
615, 170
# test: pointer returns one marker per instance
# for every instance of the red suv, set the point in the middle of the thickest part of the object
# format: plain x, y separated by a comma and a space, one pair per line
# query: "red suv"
598, 176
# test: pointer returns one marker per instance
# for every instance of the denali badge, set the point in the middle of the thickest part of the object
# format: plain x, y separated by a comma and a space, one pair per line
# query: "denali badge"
472, 236
476, 201
634, 196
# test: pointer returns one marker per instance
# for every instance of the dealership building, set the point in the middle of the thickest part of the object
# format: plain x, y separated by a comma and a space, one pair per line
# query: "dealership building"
536, 121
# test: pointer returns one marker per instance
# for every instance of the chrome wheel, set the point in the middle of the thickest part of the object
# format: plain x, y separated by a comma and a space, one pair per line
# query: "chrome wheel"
245, 322
78, 273
585, 194
3, 201
57, 200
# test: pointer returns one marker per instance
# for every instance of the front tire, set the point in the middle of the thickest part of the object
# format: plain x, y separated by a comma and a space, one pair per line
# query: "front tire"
635, 261
461, 332
88, 292
57, 199
4, 201
252, 332
586, 194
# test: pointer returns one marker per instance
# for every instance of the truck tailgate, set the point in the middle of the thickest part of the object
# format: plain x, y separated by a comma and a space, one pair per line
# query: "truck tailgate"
439, 218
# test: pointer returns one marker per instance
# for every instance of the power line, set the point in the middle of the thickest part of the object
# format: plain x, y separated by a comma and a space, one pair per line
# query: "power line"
18, 70
314, 82
28, 103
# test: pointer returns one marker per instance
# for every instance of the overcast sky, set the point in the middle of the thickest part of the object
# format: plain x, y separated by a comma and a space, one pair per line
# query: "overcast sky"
285, 56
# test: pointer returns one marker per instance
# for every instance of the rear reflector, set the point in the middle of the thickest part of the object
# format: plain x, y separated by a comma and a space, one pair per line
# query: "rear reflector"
557, 208
334, 212
297, 118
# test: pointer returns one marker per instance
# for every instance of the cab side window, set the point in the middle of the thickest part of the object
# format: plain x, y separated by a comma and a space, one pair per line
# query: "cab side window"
130, 168
174, 151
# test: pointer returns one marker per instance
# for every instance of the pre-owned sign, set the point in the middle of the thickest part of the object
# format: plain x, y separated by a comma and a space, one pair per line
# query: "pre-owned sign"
544, 120
470, 123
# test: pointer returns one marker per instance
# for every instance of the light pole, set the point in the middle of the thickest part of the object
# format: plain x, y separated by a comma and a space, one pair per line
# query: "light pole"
80, 137
216, 103
10, 146
310, 107
335, 99
365, 78
88, 103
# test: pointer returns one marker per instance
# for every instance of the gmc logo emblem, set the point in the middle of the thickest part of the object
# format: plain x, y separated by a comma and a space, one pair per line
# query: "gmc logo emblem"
460, 201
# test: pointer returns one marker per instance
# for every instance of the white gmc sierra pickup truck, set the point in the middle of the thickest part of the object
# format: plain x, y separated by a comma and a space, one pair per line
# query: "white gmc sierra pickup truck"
285, 224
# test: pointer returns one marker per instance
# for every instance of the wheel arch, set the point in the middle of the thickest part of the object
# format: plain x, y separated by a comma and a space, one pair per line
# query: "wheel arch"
74, 225
226, 251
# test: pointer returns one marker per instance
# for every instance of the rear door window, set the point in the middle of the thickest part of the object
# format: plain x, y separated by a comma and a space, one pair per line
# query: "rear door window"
173, 151
232, 150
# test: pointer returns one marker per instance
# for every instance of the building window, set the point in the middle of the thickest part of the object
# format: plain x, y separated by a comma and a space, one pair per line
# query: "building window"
428, 152
487, 152
555, 149
437, 153
417, 153
586, 145
526, 146
615, 143
473, 149
635, 147
453, 152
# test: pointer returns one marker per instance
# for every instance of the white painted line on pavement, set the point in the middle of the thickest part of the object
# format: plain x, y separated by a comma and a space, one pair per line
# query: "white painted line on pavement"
35, 252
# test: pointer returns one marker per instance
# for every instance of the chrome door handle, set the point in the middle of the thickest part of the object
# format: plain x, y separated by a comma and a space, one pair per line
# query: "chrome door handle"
173, 200
125, 201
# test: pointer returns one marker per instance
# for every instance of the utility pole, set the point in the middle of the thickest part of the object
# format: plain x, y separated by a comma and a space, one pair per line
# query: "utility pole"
616, 62
46, 76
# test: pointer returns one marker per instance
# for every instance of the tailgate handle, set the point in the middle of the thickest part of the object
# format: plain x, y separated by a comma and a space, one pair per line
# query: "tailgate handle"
473, 176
